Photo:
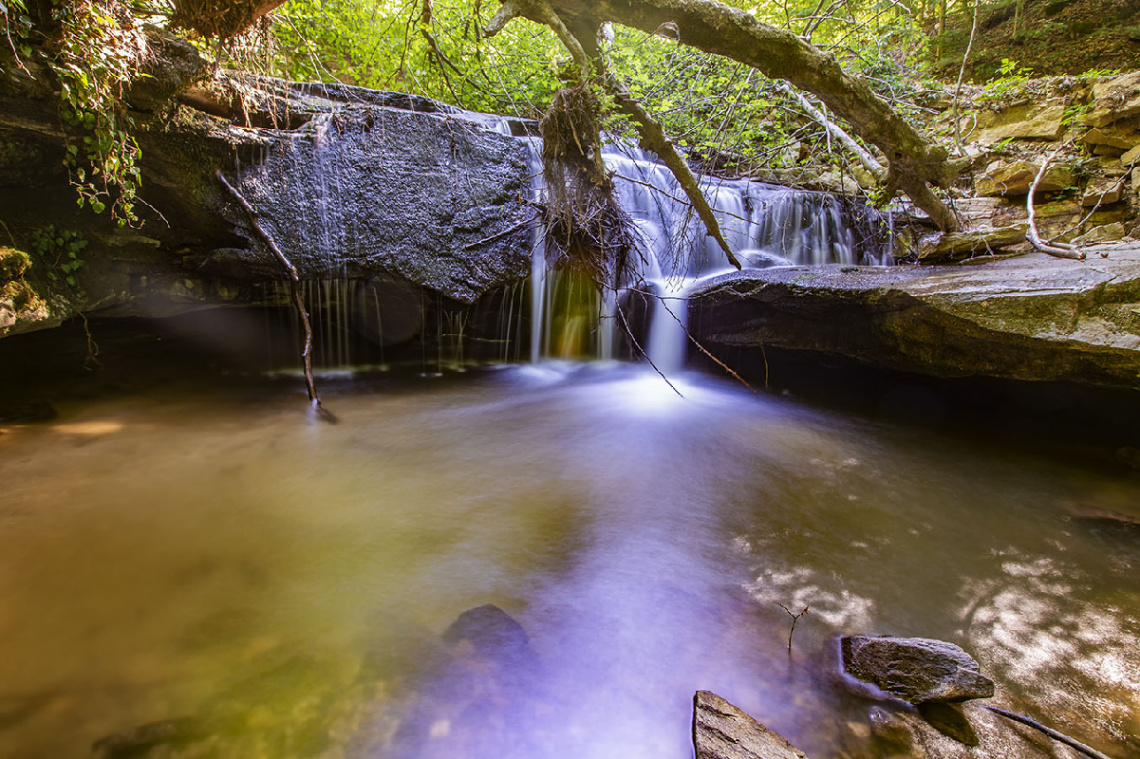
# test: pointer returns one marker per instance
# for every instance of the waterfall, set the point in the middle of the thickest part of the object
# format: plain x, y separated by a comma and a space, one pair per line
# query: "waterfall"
765, 225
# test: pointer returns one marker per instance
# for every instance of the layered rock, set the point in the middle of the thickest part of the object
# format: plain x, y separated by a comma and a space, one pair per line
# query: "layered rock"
721, 731
1028, 318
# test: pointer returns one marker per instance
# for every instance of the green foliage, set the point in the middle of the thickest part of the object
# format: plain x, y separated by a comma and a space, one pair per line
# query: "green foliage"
441, 55
14, 17
58, 250
1010, 81
98, 54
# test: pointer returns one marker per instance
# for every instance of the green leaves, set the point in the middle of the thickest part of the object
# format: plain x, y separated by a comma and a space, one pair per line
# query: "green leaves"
97, 57
59, 252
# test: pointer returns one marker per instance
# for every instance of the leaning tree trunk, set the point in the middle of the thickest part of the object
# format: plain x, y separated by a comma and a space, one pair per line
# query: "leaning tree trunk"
779, 54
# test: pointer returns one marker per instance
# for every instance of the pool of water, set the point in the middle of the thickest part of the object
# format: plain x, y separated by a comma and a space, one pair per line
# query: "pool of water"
210, 573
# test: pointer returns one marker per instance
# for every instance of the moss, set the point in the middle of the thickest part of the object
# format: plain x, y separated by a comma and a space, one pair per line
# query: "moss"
13, 264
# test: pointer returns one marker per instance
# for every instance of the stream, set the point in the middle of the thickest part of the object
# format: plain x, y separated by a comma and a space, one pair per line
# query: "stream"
202, 571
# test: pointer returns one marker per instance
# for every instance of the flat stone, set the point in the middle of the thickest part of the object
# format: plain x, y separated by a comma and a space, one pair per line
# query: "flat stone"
956, 245
1130, 156
1114, 99
975, 211
721, 731
1021, 122
1106, 233
917, 670
1007, 178
1102, 192
1033, 317
1120, 139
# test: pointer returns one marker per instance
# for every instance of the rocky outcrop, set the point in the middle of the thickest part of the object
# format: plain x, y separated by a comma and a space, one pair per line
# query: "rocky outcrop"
350, 183
721, 731
1030, 318
952, 246
917, 670
1006, 178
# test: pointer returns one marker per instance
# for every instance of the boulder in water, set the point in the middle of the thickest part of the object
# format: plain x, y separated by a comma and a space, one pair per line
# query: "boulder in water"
721, 731
918, 670
493, 633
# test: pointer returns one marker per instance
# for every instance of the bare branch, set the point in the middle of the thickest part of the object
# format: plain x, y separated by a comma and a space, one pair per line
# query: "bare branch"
295, 286
1062, 250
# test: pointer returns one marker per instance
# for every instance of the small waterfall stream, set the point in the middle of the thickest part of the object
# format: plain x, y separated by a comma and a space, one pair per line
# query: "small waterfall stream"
765, 225
641, 311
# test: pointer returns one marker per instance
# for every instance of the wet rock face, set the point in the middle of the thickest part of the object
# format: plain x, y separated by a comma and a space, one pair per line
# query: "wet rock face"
1028, 318
918, 670
432, 199
721, 731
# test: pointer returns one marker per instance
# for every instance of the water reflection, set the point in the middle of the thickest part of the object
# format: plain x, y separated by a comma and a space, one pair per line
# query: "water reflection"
216, 571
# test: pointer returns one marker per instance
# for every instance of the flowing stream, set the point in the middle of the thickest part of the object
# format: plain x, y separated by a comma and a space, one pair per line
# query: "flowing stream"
281, 589
191, 570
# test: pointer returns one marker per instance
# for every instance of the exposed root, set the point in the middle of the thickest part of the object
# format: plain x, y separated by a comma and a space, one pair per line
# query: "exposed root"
215, 19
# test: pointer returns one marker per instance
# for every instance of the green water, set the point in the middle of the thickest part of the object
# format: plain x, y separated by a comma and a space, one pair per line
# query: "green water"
282, 587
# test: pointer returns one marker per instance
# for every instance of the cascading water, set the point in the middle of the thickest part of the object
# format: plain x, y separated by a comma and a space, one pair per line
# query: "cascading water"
765, 225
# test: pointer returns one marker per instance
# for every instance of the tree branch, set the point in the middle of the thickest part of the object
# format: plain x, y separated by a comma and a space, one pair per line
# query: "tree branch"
654, 138
1062, 250
295, 286
716, 28
1057, 736
866, 159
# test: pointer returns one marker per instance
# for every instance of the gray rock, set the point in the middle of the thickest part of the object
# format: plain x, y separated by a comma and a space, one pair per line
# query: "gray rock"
721, 731
1033, 317
917, 670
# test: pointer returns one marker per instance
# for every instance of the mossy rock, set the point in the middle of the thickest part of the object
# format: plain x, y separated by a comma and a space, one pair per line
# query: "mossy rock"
13, 264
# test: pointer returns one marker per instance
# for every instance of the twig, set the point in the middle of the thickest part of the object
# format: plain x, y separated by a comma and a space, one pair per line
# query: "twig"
504, 233
91, 360
298, 301
865, 158
640, 350
1060, 251
795, 618
1057, 736
704, 350
961, 75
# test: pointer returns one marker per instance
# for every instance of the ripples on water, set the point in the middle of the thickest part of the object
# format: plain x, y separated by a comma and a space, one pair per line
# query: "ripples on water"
285, 586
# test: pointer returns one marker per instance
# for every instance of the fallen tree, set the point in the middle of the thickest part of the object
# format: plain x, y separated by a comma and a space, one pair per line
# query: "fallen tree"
914, 162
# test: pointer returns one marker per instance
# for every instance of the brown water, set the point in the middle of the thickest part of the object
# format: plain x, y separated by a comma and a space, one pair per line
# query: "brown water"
285, 585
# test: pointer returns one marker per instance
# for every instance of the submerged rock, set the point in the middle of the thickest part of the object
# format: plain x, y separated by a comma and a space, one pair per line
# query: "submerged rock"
721, 731
493, 633
949, 720
918, 670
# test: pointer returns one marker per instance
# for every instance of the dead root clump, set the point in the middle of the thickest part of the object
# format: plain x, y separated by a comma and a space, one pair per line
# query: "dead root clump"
587, 230
214, 19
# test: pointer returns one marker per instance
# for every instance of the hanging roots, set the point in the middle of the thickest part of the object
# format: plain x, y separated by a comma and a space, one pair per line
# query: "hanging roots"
587, 231
216, 19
